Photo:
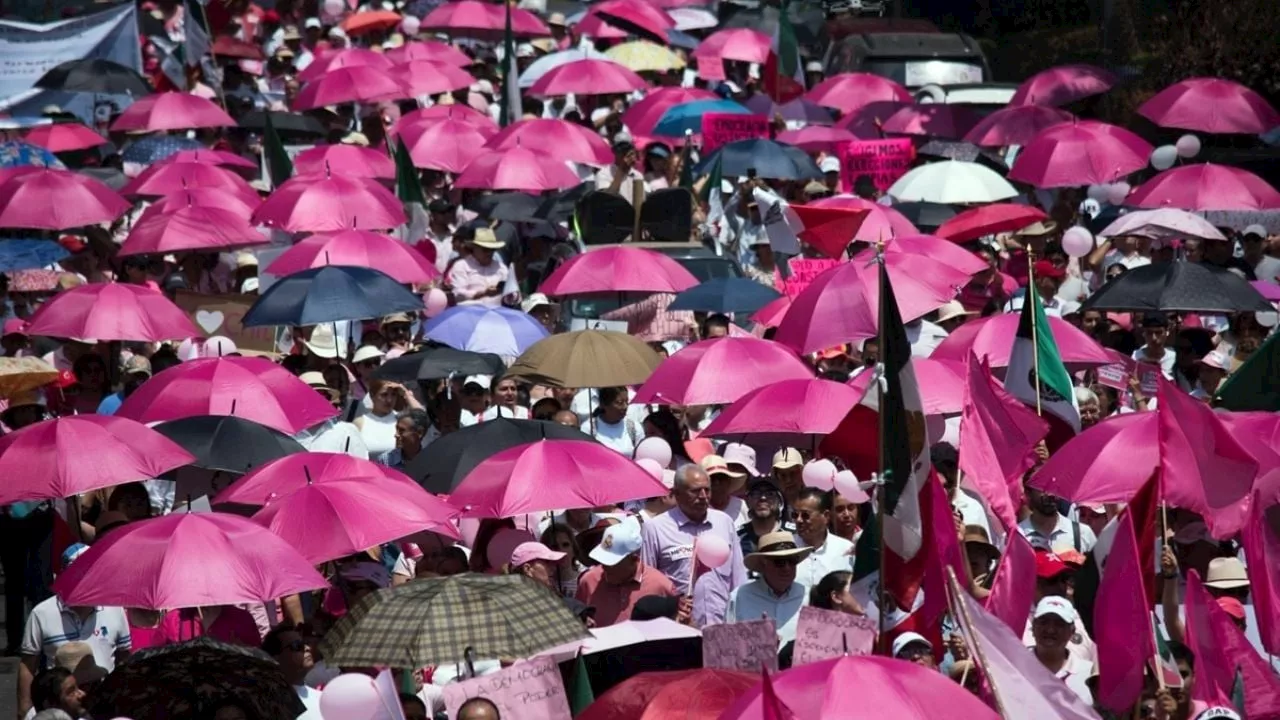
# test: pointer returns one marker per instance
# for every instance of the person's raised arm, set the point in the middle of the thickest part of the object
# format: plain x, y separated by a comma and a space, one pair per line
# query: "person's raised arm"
1169, 597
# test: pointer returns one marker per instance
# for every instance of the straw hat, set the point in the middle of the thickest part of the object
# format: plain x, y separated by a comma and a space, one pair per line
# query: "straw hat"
952, 310
1046, 227
323, 342
1226, 573
486, 238
775, 545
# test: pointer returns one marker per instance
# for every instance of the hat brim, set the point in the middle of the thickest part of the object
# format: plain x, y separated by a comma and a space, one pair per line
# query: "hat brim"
320, 351
1227, 583
486, 244
754, 560
606, 557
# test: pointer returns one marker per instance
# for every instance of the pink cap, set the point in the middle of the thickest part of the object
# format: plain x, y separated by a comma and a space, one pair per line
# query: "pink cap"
530, 551
15, 326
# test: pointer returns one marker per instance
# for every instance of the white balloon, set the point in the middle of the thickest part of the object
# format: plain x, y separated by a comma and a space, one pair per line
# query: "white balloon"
1118, 192
1163, 157
334, 7
1266, 319
1077, 241
1097, 192
819, 474
1188, 146
410, 25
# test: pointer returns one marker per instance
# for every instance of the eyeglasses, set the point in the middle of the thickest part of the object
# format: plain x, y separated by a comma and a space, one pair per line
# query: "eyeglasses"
783, 562
805, 515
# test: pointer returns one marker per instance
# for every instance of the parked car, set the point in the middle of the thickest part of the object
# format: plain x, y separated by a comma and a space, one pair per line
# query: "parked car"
914, 59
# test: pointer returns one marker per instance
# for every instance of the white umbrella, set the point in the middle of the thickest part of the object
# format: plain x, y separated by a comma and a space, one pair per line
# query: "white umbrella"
546, 64
1162, 223
952, 182
693, 18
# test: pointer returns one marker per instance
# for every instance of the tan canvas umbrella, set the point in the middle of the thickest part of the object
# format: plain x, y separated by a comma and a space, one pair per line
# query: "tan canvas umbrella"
587, 359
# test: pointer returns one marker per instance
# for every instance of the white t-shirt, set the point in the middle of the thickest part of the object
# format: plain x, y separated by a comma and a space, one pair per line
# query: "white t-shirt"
1166, 362
621, 436
311, 700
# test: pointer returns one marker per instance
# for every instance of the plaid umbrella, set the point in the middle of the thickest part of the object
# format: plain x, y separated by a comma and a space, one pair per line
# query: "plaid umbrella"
194, 679
435, 621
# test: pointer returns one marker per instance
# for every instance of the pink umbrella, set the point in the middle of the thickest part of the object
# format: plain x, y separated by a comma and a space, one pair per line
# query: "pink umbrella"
1015, 125
941, 385
992, 338
700, 373
358, 248
549, 475
882, 222
112, 311
642, 116
842, 304
211, 157
483, 20
571, 141
345, 58
1202, 187
187, 560
633, 15
519, 169
617, 270
1212, 105
848, 92
50, 199
191, 228
171, 111
246, 387
164, 178
938, 120
786, 412
444, 143
315, 203
934, 248
1106, 463
64, 137
429, 50
741, 44
588, 77
771, 315
461, 113
595, 27
350, 160
1064, 84
360, 83
867, 121
1162, 223
430, 77
205, 197
1269, 290
279, 478
816, 138
1080, 153
81, 453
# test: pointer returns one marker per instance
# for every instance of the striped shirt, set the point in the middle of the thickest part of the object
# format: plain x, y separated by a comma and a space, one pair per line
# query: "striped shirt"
52, 624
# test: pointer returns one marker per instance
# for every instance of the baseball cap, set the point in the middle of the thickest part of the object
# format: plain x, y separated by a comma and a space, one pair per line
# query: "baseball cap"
535, 300
1044, 268
1049, 565
1234, 607
829, 164
620, 541
15, 326
744, 456
1215, 359
813, 66
715, 465
1218, 713
137, 365
901, 642
483, 381
311, 22
1255, 229
530, 551
787, 458
1055, 605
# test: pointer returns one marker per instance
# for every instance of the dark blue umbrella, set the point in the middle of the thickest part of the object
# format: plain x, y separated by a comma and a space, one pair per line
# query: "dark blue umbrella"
767, 158
16, 153
725, 295
154, 148
328, 294
28, 254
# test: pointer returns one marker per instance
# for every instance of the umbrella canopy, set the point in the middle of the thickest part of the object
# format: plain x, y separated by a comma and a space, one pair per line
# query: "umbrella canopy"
20, 374
24, 254
350, 160
19, 154
689, 694
251, 388
547, 63
64, 137
203, 197
587, 359
436, 621
638, 18
850, 92
446, 461
437, 362
549, 474
787, 412
1212, 105
1085, 152
78, 454
207, 229
588, 77
798, 110
725, 295
359, 83
644, 56
816, 138
700, 373
329, 294
1016, 125
500, 331
952, 183
486, 21
1162, 223
771, 315
223, 158
356, 248
1178, 286
942, 386
94, 76
187, 560
446, 144
925, 215
50, 199
1106, 463
741, 44
881, 222
517, 168
289, 474
432, 50
347, 57
166, 177
455, 111
332, 202
989, 220
770, 159
171, 111
362, 23
429, 77
692, 18
226, 46
1204, 186
991, 338
678, 119
151, 149
940, 120
933, 248
112, 311
1063, 84
229, 444
570, 140
645, 113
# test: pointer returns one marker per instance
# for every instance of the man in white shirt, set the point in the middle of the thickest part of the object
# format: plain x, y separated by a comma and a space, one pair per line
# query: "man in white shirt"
1155, 330
1048, 528
621, 177
831, 553
775, 593
1053, 623
295, 655
1254, 242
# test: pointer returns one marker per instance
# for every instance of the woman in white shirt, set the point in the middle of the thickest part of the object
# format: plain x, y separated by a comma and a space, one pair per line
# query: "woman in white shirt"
609, 422
378, 426
505, 397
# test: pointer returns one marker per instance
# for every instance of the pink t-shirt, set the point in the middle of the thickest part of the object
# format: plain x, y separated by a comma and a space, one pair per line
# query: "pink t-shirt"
233, 625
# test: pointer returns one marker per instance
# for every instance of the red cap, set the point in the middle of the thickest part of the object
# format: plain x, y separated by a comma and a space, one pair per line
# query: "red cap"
1233, 607
72, 243
1044, 268
1049, 565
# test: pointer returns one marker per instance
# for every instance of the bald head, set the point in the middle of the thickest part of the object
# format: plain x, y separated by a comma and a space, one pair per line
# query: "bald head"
568, 418
693, 492
478, 708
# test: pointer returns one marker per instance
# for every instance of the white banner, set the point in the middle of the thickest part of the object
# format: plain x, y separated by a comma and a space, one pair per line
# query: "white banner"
29, 50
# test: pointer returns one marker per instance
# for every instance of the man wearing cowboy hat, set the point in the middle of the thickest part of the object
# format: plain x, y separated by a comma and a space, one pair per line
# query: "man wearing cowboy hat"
726, 482
479, 278
775, 593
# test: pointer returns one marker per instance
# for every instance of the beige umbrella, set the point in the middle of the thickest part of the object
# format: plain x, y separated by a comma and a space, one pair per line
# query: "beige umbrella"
587, 359
20, 374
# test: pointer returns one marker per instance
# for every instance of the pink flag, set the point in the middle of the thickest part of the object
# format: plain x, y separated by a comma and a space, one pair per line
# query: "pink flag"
1014, 588
1261, 538
1205, 468
1122, 621
1261, 684
1214, 671
998, 436
943, 545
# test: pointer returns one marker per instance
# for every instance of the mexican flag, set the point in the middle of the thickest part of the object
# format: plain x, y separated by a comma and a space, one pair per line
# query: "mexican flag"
1034, 342
712, 194
1163, 662
783, 74
275, 158
1255, 385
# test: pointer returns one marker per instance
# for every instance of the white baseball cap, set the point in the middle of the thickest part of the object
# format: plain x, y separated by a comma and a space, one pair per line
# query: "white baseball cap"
482, 380
909, 638
619, 542
1055, 605
1255, 229
1218, 713
829, 163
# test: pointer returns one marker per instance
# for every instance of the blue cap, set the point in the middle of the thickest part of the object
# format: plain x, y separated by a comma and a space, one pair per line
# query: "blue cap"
73, 552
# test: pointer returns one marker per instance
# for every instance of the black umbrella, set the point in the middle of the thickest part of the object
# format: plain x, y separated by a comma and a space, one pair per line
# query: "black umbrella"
284, 122
1180, 287
442, 464
925, 215
95, 76
228, 443
511, 206
560, 206
438, 361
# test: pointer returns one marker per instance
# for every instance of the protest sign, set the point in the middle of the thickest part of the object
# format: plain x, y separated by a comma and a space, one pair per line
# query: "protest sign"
803, 271
224, 315
1114, 376
741, 646
529, 690
884, 161
823, 634
723, 128
1149, 377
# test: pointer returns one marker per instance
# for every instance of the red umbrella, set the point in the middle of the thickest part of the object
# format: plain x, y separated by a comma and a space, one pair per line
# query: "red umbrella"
444, 144
171, 111
771, 315
517, 169
82, 453
1063, 84
345, 58
429, 50
1212, 105
741, 44
588, 77
369, 21
429, 77
226, 46
850, 91
787, 412
461, 113
204, 197
934, 120
164, 178
211, 157
1203, 187
618, 269
350, 160
49, 199
191, 228
1016, 125
989, 220
112, 311
686, 694
881, 223
360, 83
816, 138
1086, 152
314, 203
64, 137
359, 248
639, 18
642, 116
571, 141
483, 20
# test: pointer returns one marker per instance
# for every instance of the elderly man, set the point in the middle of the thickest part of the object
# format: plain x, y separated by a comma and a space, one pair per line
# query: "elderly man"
775, 593
622, 578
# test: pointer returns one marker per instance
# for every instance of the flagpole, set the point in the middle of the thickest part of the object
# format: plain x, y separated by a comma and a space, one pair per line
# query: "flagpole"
1035, 331
882, 600
954, 586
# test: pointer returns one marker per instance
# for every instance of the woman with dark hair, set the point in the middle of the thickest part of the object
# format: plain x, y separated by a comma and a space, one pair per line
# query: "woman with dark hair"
832, 593
609, 422
132, 500
560, 538
56, 689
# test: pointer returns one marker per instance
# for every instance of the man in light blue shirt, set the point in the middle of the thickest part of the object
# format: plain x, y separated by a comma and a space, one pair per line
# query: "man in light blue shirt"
775, 593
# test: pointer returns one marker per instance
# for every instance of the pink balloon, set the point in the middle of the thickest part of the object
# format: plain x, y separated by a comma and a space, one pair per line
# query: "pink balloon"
350, 697
651, 466
847, 485
435, 302
410, 24
1119, 192
712, 550
819, 474
656, 449
1077, 241
333, 7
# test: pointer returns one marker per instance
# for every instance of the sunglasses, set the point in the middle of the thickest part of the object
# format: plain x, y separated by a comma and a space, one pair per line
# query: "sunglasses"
783, 562
806, 514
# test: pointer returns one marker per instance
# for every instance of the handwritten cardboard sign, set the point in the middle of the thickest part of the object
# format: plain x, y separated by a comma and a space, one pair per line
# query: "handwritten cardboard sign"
224, 315
823, 634
531, 690
883, 160
803, 271
723, 128
741, 646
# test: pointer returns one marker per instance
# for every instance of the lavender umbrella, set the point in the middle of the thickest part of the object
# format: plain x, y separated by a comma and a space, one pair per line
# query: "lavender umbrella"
798, 110
500, 331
